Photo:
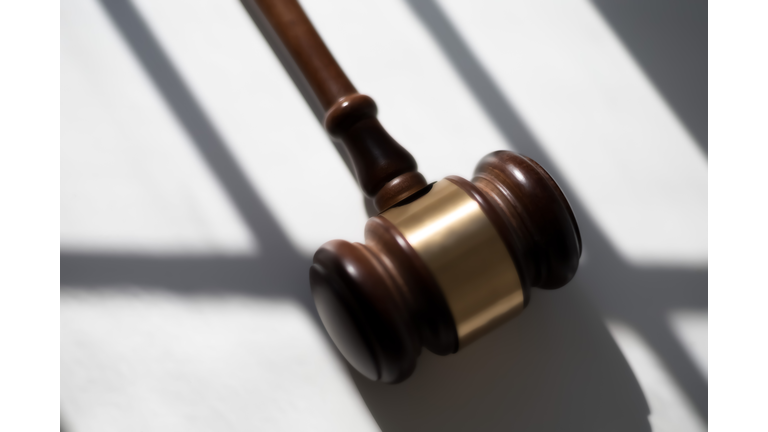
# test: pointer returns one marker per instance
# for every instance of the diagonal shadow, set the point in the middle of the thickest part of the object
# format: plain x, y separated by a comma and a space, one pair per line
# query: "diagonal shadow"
273, 274
177, 95
556, 325
293, 71
668, 39
301, 83
639, 296
265, 276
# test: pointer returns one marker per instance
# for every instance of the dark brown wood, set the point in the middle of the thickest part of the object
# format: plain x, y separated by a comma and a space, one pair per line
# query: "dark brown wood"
384, 290
380, 304
385, 171
379, 301
539, 227
290, 23
362, 311
435, 327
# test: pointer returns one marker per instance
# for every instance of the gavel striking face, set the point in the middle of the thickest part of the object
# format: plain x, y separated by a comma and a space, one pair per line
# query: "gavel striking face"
443, 263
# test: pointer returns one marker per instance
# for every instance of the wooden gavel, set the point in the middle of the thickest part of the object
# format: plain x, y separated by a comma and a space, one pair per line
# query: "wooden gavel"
443, 263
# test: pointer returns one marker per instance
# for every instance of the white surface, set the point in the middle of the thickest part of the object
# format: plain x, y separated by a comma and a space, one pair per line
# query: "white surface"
591, 106
164, 363
249, 97
670, 410
133, 182
130, 180
691, 328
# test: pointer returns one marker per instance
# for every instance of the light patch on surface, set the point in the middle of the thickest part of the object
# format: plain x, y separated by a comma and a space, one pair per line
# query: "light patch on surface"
691, 328
131, 180
134, 360
389, 54
284, 150
262, 118
671, 411
446, 220
589, 104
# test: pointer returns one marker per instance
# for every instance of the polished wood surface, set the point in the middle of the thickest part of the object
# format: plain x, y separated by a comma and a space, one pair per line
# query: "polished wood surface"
537, 221
382, 302
288, 20
385, 171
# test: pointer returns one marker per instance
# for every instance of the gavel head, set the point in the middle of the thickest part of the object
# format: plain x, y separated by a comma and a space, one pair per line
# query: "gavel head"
445, 266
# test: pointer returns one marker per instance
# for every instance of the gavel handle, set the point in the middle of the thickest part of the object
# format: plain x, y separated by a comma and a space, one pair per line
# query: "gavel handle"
385, 171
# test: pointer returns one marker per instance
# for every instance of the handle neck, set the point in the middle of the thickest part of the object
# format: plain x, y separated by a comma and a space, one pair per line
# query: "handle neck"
385, 171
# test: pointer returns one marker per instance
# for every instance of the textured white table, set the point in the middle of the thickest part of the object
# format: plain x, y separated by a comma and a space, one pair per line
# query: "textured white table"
191, 171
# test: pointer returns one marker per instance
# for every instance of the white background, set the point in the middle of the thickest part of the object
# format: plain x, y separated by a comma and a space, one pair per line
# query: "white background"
165, 102
145, 346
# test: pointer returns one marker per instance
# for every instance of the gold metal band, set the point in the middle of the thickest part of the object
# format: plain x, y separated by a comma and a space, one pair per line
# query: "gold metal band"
458, 243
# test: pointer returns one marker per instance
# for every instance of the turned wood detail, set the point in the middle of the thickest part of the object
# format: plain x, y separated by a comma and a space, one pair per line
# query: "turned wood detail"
391, 304
442, 264
385, 171
539, 227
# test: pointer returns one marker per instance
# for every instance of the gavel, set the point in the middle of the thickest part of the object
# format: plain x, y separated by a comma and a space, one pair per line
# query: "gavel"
443, 263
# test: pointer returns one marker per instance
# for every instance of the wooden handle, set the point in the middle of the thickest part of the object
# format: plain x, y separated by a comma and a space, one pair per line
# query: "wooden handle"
441, 271
385, 171
450, 263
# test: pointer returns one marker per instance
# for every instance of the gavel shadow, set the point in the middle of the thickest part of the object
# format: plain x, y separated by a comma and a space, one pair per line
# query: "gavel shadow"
641, 297
555, 367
